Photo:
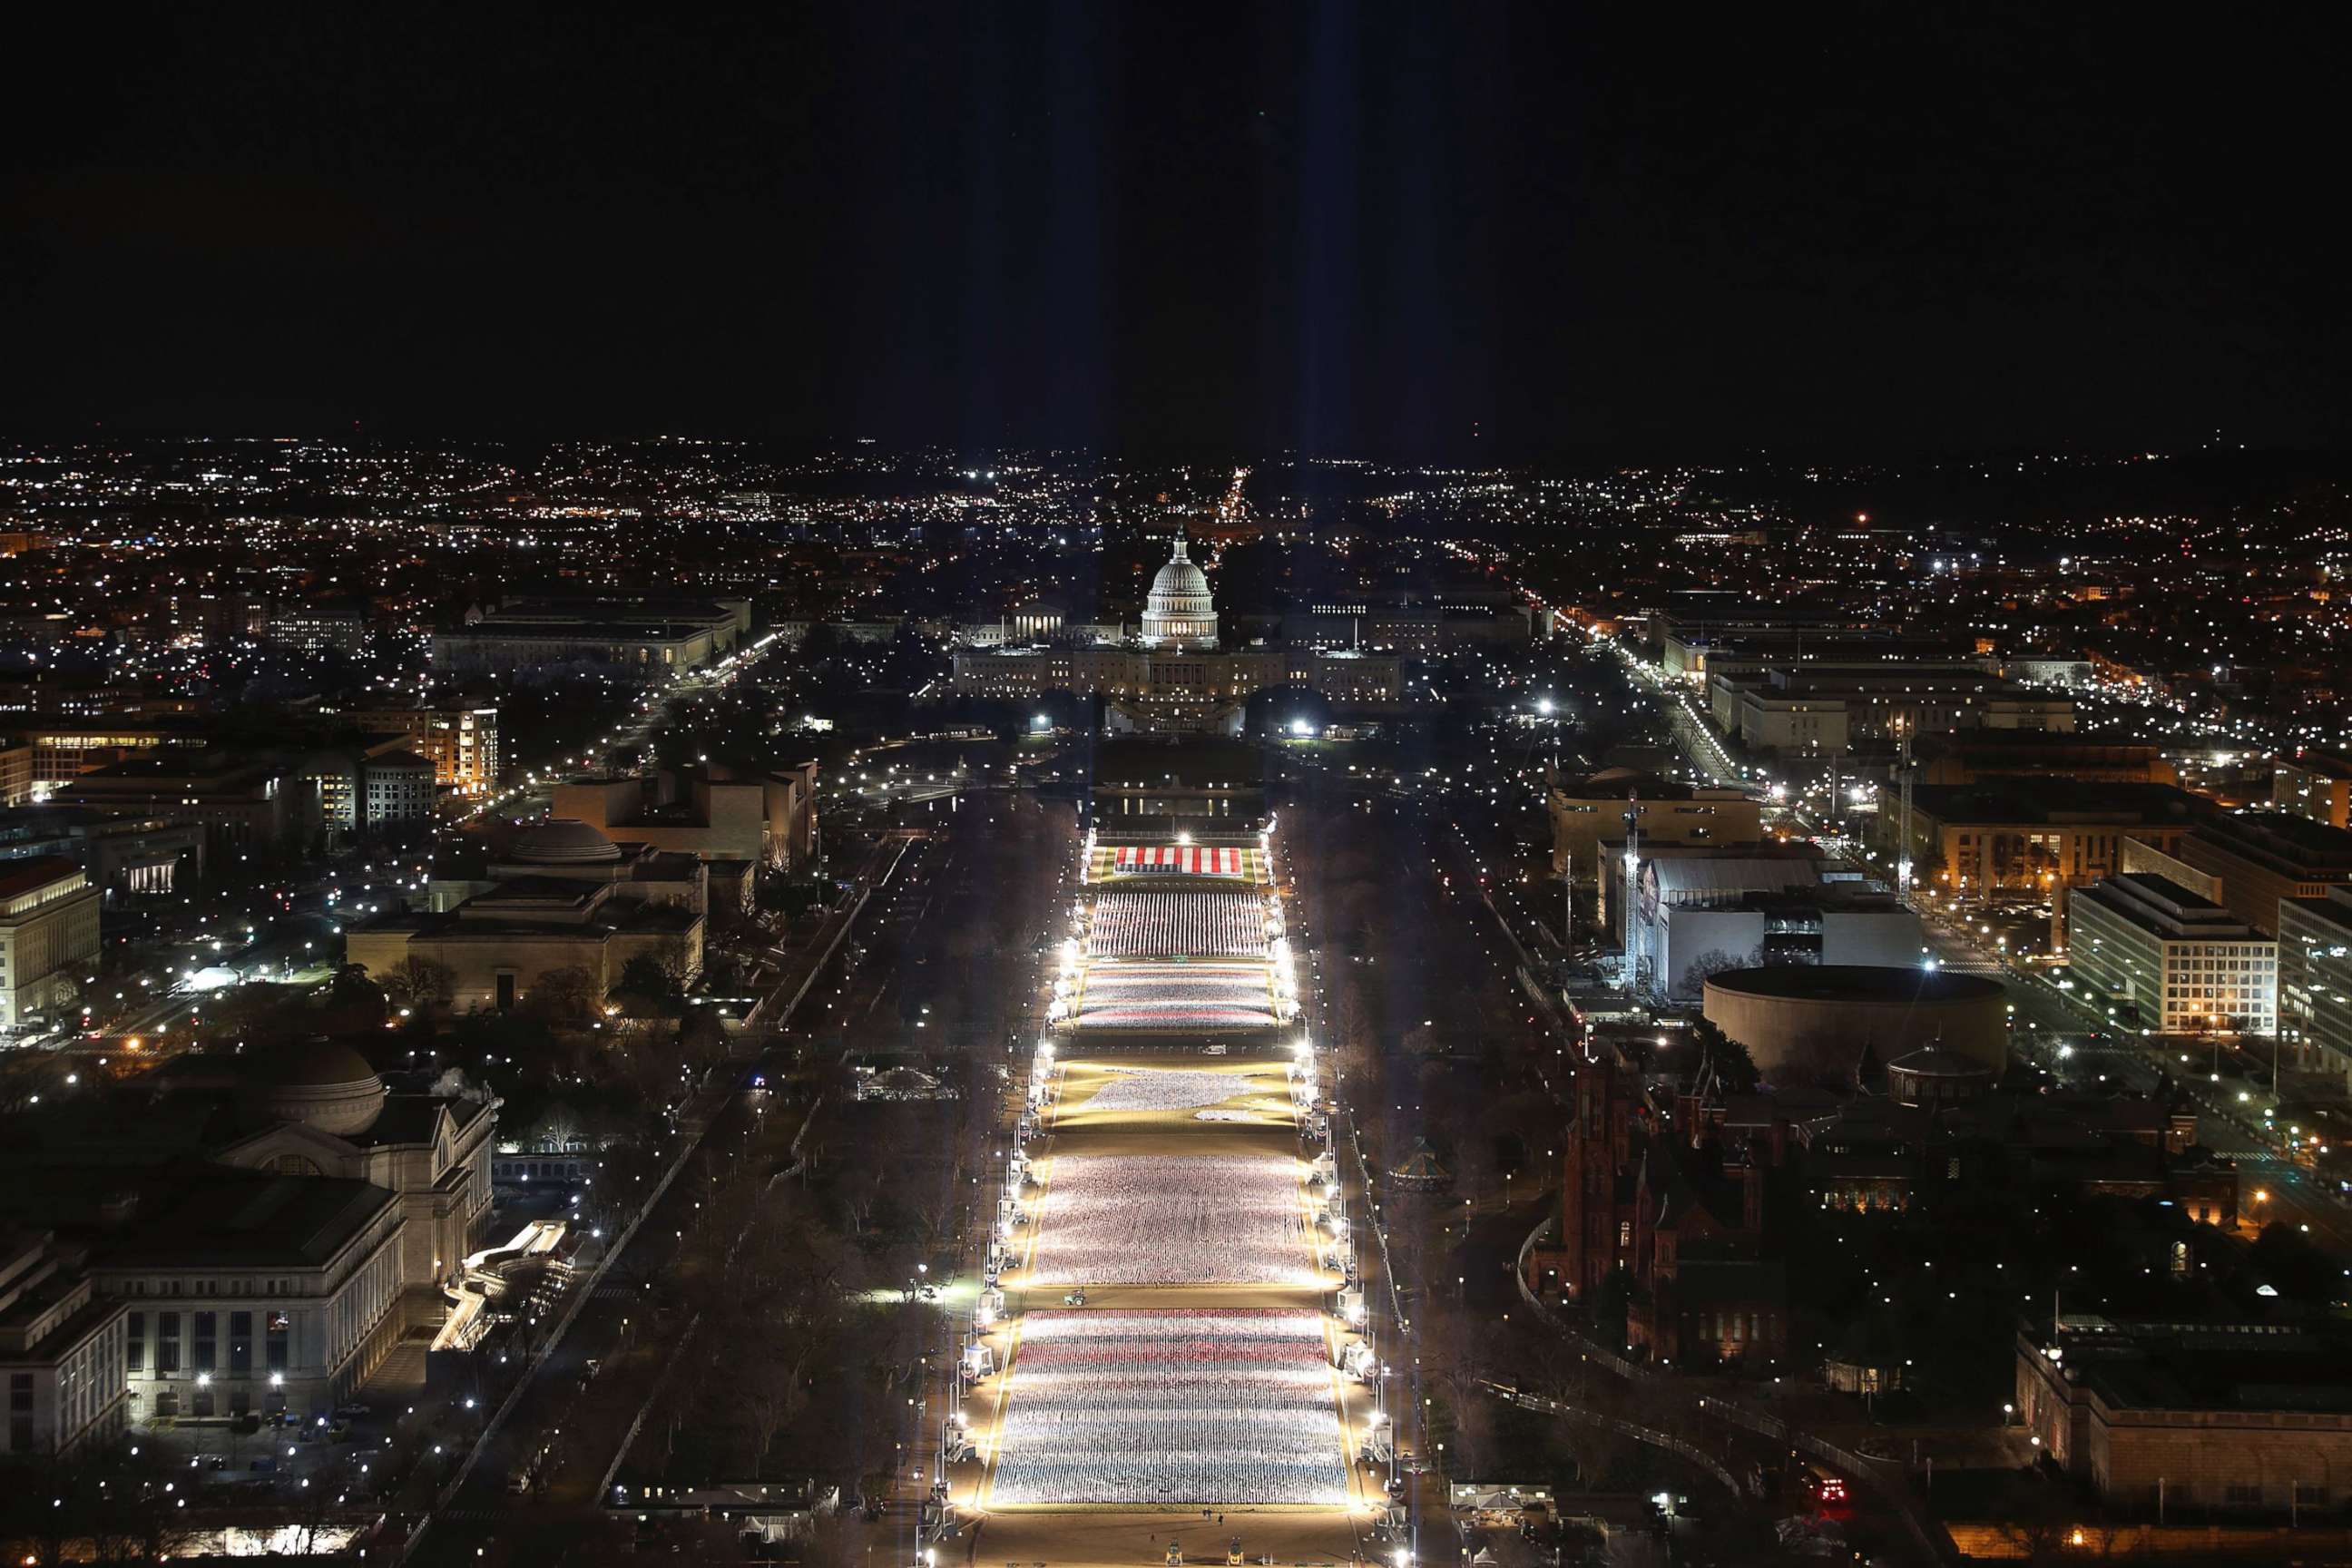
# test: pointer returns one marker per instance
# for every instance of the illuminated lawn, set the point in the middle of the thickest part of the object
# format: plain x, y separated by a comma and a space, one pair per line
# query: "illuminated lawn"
1154, 1219
1215, 1408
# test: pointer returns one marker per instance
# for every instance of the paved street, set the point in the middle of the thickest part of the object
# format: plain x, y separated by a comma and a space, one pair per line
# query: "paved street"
921, 892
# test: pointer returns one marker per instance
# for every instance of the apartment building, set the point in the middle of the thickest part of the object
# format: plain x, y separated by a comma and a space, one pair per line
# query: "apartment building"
462, 743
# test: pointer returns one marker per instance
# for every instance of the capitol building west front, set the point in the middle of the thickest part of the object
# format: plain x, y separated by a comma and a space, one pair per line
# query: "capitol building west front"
1172, 677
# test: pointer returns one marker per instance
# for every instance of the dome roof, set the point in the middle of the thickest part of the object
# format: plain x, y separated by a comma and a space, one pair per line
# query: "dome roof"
1179, 579
319, 1083
1179, 609
1934, 1061
309, 1064
562, 841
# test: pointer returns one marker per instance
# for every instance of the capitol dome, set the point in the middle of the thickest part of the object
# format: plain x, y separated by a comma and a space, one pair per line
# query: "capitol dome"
319, 1083
1179, 612
562, 841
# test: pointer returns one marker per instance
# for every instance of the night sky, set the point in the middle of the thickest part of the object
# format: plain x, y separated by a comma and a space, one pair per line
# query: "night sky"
1445, 231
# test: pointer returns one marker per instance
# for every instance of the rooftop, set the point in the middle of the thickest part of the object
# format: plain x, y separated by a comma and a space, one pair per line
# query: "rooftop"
2243, 1367
2057, 800
2282, 843
1856, 983
19, 878
562, 841
2319, 762
1615, 783
218, 1216
308, 1064
2163, 907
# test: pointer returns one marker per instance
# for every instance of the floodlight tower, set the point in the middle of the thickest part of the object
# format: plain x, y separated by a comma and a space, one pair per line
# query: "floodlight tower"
1902, 821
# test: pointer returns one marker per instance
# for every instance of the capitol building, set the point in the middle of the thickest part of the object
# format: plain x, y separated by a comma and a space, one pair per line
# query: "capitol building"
1179, 612
1172, 677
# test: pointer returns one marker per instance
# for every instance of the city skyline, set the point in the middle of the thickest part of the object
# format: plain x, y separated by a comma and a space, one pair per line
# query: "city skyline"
1120, 786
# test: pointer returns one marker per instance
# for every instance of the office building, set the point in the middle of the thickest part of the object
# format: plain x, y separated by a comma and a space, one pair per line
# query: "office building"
1590, 813
396, 789
202, 615
2314, 974
1731, 639
1401, 621
2257, 859
125, 857
2026, 840
2314, 786
664, 635
1824, 709
317, 626
61, 1349
48, 939
2170, 961
66, 747
1982, 756
242, 803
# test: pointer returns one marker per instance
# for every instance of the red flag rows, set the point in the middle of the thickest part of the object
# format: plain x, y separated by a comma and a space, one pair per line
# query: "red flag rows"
1190, 859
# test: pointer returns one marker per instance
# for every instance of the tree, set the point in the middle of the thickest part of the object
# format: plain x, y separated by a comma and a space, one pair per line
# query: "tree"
566, 995
662, 971
701, 1038
860, 1192
351, 987
1735, 1068
772, 1386
1714, 960
645, 975
726, 975
419, 982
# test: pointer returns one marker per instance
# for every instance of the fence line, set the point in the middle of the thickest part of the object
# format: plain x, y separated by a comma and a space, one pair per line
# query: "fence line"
1639, 1433
629, 1438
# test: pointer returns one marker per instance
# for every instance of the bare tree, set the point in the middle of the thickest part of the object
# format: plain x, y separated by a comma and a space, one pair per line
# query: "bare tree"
772, 1387
419, 982
566, 995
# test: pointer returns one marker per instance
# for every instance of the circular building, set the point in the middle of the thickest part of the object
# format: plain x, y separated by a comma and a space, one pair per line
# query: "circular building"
1933, 1076
318, 1083
1179, 612
1801, 1021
